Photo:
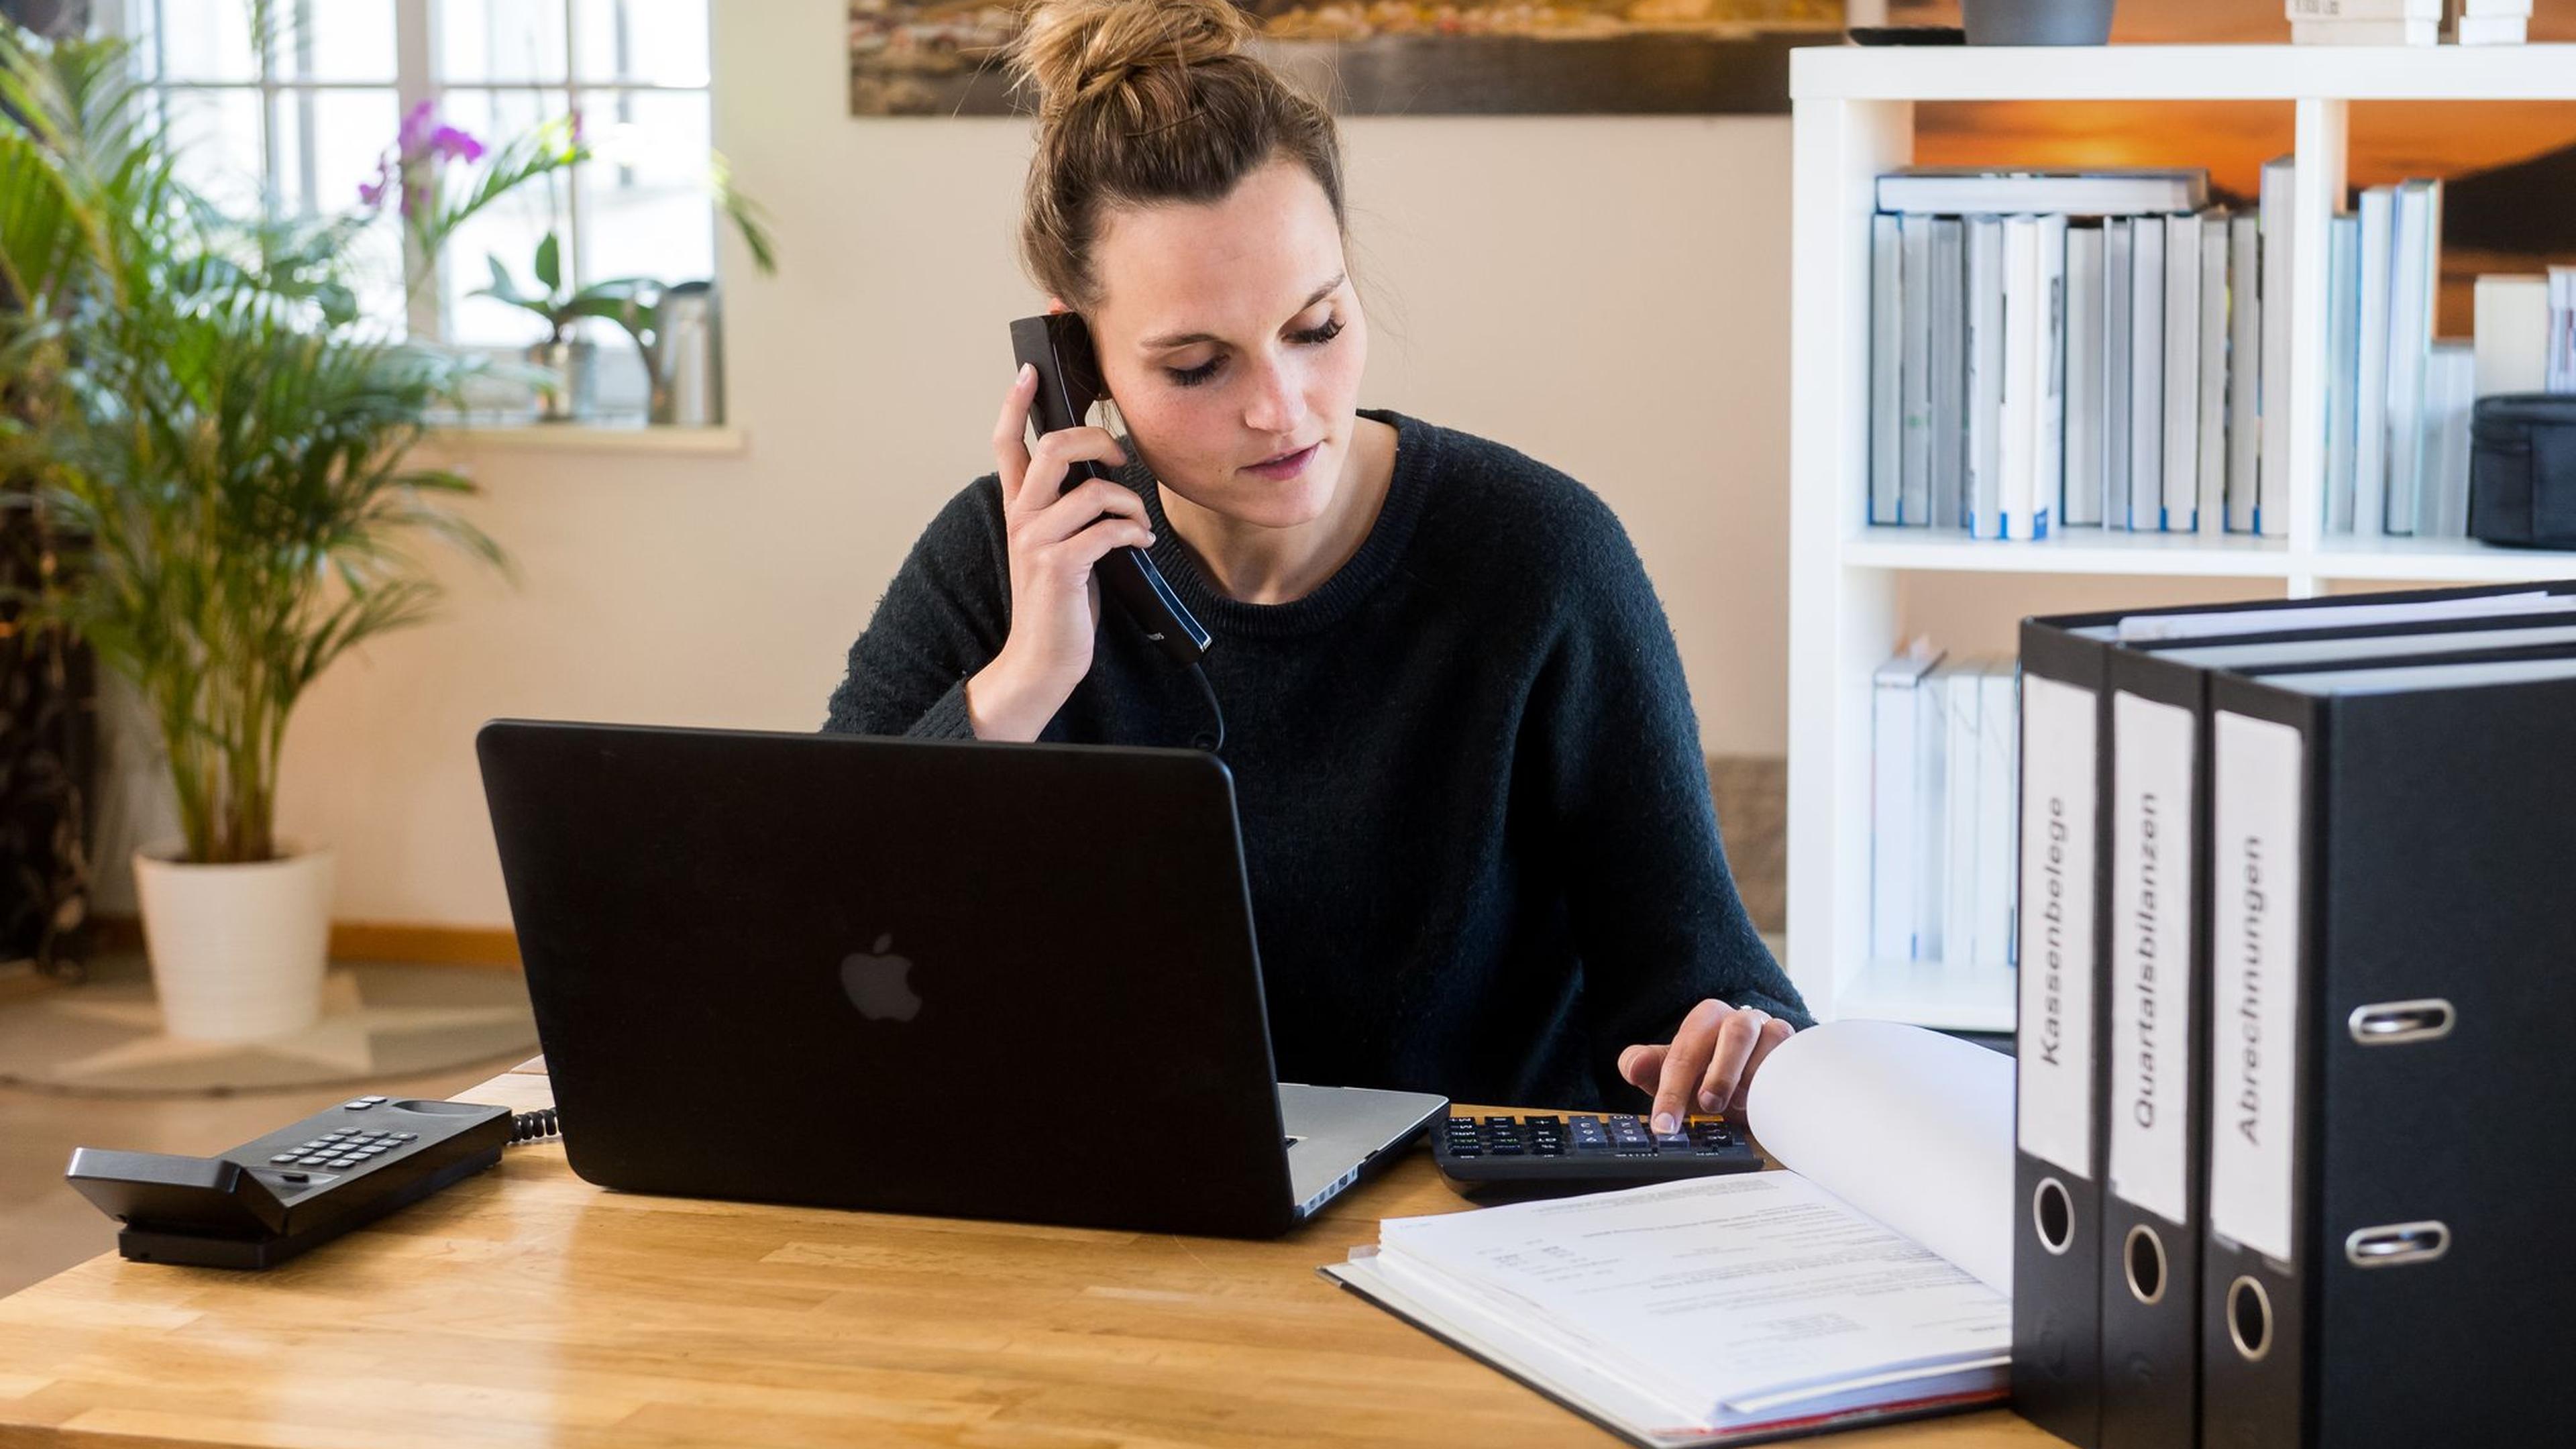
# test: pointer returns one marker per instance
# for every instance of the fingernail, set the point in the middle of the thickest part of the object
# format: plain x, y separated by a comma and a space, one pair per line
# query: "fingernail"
1664, 1122
1028, 370
1708, 1102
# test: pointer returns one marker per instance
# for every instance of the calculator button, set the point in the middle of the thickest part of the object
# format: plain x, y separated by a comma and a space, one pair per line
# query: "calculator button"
286, 1157
405, 1136
1672, 1142
316, 1160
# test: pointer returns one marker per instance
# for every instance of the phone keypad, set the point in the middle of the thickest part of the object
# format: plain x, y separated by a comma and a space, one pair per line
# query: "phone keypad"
343, 1151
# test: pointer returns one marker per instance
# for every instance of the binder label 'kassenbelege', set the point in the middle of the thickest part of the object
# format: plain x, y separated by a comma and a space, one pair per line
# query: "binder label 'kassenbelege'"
2055, 1084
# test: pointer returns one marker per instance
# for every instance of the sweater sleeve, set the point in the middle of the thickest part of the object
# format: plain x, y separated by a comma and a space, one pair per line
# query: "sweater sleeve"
1653, 906
942, 618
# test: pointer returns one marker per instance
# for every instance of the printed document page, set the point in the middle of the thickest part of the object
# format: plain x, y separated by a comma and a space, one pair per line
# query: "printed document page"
1740, 1295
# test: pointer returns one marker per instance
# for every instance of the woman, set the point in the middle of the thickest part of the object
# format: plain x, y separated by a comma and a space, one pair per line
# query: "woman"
1482, 853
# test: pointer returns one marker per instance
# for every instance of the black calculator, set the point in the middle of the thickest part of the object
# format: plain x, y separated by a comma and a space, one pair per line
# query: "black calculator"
1584, 1152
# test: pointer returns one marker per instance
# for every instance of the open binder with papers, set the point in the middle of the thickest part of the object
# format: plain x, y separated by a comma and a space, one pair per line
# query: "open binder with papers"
1872, 1281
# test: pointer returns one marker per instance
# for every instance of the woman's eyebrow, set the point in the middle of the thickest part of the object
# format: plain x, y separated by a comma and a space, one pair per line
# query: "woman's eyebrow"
1184, 339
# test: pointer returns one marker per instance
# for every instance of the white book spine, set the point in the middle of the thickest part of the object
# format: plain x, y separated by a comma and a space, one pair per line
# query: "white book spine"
1949, 371
1963, 690
2212, 507
2080, 500
1886, 368
1998, 793
2146, 374
1892, 798
1913, 506
2343, 300
2052, 375
2410, 340
2119, 294
2378, 223
2175, 509
2495, 9
2272, 480
2244, 369
1985, 376
1931, 813
2513, 334
2017, 441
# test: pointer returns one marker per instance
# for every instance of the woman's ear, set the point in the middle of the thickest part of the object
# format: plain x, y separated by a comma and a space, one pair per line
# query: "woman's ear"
1055, 305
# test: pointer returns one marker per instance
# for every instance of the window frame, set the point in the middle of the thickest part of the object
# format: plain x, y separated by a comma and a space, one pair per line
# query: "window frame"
415, 81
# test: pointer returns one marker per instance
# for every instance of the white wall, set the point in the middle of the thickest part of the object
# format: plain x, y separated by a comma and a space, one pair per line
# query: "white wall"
1607, 295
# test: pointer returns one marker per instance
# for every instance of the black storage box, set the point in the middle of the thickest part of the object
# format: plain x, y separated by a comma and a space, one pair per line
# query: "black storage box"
2522, 469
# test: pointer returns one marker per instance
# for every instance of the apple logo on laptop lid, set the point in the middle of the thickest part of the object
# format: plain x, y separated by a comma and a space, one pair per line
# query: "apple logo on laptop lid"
876, 983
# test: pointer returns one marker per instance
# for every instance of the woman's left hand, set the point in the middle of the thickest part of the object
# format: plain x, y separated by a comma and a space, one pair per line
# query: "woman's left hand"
1709, 1064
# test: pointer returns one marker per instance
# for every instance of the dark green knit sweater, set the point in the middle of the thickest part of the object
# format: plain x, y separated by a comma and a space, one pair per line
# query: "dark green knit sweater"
1475, 815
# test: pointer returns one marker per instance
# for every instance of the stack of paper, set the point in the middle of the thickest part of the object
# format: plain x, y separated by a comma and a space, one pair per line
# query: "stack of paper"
1738, 1307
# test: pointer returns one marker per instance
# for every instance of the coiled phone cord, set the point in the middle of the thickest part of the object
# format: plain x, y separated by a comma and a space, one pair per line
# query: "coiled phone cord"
529, 1126
1203, 740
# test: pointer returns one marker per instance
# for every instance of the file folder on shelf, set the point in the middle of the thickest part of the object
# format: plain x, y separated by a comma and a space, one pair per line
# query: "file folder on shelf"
2389, 956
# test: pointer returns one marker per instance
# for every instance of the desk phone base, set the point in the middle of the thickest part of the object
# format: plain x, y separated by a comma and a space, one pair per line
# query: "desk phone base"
275, 1196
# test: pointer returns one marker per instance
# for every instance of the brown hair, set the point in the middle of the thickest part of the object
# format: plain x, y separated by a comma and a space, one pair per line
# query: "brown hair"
1146, 101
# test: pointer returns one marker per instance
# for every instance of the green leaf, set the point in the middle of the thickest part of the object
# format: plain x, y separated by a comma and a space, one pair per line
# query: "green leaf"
549, 264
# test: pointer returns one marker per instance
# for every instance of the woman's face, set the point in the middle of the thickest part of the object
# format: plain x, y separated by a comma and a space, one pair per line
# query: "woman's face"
1230, 334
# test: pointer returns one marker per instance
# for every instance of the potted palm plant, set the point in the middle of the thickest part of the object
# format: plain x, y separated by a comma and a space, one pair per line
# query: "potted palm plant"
229, 443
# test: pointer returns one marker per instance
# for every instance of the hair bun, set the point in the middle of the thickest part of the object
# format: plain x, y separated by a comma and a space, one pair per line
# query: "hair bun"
1071, 50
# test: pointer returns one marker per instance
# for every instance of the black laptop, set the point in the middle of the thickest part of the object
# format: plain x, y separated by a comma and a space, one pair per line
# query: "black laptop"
950, 977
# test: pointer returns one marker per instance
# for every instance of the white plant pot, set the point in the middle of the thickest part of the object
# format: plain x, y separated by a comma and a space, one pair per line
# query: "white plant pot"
237, 950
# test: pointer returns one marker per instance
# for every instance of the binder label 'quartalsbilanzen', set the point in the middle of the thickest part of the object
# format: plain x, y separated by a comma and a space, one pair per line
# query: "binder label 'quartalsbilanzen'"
2151, 1006
2055, 1047
2254, 980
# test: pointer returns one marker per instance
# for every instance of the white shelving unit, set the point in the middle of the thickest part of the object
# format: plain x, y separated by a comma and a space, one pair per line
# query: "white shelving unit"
1853, 117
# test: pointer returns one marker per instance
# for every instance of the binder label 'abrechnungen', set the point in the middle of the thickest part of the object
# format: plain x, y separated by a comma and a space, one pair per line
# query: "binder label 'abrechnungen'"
2055, 1047
2150, 945
2254, 980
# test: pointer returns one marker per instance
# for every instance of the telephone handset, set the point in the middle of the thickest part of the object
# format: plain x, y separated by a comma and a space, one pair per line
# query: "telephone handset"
1058, 345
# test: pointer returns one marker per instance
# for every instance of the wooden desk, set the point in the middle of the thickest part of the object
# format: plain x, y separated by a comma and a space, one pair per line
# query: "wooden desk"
526, 1306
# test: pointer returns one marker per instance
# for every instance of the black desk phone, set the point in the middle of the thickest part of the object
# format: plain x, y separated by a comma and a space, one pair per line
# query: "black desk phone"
259, 1204
1058, 345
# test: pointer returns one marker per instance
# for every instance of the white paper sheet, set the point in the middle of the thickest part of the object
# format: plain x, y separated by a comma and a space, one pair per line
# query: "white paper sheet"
1725, 1292
1911, 1127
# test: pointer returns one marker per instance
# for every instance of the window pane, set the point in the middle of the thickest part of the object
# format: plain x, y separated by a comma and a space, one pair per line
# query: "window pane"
654, 42
218, 140
509, 228
500, 40
645, 208
208, 40
348, 40
323, 164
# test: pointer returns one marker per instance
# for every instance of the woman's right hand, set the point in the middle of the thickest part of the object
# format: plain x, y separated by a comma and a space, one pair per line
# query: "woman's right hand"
1055, 537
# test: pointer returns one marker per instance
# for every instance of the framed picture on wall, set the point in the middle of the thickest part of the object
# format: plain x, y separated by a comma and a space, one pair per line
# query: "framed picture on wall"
1402, 57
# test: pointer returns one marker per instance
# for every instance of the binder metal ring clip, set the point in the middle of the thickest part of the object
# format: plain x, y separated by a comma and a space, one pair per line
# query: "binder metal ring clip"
2396, 1244
2143, 1263
2249, 1319
2390, 1023
2052, 1212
